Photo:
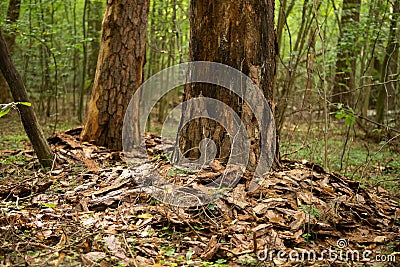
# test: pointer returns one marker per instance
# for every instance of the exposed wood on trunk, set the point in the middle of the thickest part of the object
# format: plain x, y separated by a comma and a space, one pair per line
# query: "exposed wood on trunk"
239, 34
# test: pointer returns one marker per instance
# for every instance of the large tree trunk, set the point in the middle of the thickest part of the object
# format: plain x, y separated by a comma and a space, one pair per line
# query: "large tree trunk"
28, 117
13, 11
119, 70
344, 84
238, 33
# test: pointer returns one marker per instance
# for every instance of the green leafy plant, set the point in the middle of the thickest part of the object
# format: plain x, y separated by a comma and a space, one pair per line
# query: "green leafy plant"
248, 260
166, 232
20, 160
162, 156
346, 113
311, 210
189, 254
212, 206
217, 263
306, 237
169, 251
176, 171
154, 202
5, 108
49, 205
199, 228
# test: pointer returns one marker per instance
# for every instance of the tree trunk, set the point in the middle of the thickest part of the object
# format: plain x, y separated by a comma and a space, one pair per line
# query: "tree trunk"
370, 66
387, 92
119, 70
283, 15
94, 13
344, 83
12, 16
28, 117
291, 74
238, 33
84, 63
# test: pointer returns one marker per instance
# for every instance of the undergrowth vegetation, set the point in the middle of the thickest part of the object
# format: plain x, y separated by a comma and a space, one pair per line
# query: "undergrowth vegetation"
356, 156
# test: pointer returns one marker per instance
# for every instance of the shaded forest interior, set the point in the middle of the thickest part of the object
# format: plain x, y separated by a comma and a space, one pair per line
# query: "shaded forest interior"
348, 65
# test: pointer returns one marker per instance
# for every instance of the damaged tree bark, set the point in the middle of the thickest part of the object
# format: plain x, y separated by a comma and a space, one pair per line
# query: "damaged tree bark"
241, 35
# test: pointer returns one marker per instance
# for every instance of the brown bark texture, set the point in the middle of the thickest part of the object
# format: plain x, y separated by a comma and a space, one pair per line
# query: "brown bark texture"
238, 33
119, 70
28, 117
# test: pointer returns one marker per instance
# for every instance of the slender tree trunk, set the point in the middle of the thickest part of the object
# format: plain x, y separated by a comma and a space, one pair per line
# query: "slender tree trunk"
84, 64
291, 74
95, 13
284, 12
119, 70
163, 103
387, 91
12, 16
238, 33
307, 98
365, 94
369, 63
28, 117
75, 60
344, 84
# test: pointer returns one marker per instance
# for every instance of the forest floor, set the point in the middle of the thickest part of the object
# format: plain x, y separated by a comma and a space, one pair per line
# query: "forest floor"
88, 210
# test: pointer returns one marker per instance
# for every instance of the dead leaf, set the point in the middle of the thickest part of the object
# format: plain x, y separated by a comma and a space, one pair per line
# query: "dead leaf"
275, 218
115, 248
60, 259
62, 241
261, 229
142, 261
93, 257
215, 165
360, 198
211, 249
380, 239
299, 221
268, 203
